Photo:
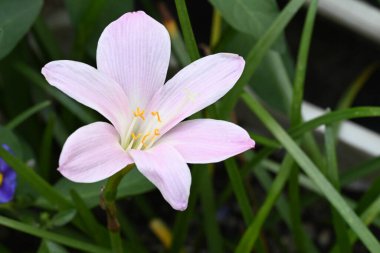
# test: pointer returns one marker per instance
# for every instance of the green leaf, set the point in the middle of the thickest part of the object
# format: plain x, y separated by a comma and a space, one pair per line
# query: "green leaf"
132, 184
313, 173
90, 18
64, 240
9, 138
26, 114
51, 247
252, 233
63, 217
34, 180
258, 52
271, 81
36, 78
16, 18
99, 233
187, 31
249, 16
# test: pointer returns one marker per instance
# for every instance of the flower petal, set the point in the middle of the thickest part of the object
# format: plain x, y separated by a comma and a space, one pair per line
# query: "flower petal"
135, 51
7, 191
91, 88
167, 170
207, 140
196, 86
92, 153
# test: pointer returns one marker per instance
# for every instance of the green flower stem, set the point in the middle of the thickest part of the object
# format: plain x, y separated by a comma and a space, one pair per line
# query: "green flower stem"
107, 202
216, 28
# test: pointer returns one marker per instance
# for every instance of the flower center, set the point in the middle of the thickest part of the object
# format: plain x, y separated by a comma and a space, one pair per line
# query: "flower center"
143, 131
1, 178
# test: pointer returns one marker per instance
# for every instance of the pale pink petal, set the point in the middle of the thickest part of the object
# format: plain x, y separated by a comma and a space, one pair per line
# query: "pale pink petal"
167, 170
207, 140
93, 153
195, 87
91, 88
135, 51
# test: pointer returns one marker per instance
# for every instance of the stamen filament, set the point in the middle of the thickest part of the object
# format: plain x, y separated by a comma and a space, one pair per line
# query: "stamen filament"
127, 136
156, 133
142, 143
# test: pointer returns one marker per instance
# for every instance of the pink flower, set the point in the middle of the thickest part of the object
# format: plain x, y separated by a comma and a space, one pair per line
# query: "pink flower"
128, 89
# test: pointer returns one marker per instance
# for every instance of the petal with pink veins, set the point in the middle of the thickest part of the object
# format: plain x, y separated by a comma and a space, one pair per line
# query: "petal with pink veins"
168, 171
135, 51
92, 153
91, 88
195, 87
207, 140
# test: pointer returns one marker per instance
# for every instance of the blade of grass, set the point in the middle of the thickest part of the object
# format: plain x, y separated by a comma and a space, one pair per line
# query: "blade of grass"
27, 114
86, 27
64, 240
37, 79
301, 67
179, 48
258, 52
98, 232
46, 148
351, 93
213, 235
335, 116
360, 171
252, 233
296, 119
333, 175
216, 28
281, 205
131, 234
238, 187
47, 39
187, 31
368, 216
312, 171
34, 180
182, 221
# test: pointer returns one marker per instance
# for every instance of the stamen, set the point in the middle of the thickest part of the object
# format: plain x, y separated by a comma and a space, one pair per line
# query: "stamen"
156, 133
1, 178
139, 113
135, 137
158, 116
126, 139
144, 138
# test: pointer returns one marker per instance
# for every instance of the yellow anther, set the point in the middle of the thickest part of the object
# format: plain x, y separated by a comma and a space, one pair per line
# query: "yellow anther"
156, 131
135, 137
139, 113
144, 138
1, 178
158, 116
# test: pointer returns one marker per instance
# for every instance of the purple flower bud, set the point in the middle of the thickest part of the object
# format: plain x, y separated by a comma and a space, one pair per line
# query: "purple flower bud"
7, 180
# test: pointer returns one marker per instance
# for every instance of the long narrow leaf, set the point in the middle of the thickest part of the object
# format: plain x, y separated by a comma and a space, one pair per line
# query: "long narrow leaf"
68, 241
258, 52
34, 180
27, 114
312, 171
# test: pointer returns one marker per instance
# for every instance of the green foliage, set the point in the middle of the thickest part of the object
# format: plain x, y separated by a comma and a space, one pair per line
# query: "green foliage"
251, 17
248, 203
16, 17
